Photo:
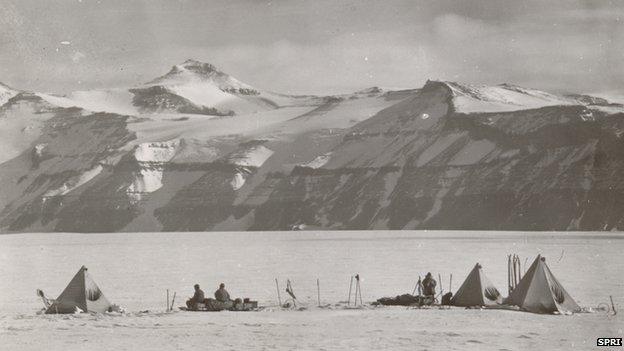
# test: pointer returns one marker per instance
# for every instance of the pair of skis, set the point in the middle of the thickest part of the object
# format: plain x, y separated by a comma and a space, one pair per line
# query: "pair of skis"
514, 272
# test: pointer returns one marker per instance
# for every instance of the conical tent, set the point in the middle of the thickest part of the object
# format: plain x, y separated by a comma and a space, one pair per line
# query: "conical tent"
81, 292
477, 290
540, 292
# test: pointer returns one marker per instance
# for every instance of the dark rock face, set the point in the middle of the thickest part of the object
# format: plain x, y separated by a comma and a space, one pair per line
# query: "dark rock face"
101, 207
158, 99
73, 144
417, 164
200, 205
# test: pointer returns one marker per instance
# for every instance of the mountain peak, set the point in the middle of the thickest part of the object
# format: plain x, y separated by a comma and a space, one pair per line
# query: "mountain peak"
198, 66
193, 74
189, 69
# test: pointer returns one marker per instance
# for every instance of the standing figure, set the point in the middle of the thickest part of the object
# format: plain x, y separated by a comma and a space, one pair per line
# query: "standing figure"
429, 285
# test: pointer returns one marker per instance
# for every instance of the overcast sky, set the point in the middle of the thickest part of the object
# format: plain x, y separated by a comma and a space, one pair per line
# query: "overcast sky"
314, 46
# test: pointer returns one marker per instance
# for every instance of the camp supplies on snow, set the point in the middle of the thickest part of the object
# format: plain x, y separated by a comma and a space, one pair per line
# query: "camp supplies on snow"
212, 305
80, 295
406, 300
477, 290
540, 292
446, 299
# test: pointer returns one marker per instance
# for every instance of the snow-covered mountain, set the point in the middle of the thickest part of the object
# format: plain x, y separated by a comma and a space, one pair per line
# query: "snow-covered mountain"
191, 87
6, 93
195, 71
507, 97
196, 149
204, 85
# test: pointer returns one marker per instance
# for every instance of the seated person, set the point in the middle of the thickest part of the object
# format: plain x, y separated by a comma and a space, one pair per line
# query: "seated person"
197, 297
222, 295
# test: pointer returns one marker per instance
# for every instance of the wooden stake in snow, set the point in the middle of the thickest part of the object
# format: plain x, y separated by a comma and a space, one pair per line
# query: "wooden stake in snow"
167, 308
515, 271
279, 299
350, 286
441, 286
508, 274
318, 291
173, 301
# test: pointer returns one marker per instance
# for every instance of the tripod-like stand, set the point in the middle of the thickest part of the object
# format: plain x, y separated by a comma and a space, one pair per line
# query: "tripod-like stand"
290, 292
358, 290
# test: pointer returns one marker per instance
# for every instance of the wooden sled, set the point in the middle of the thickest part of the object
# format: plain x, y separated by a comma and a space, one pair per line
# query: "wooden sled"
211, 305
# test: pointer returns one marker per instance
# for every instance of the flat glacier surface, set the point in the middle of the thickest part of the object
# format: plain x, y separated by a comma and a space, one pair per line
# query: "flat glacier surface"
134, 271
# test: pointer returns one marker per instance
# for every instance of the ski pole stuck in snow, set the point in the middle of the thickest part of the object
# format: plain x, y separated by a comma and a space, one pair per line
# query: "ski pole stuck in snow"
172, 301
279, 299
441, 286
318, 291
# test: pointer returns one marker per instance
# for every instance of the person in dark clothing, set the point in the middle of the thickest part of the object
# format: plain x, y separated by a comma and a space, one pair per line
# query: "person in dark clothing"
222, 295
429, 285
197, 297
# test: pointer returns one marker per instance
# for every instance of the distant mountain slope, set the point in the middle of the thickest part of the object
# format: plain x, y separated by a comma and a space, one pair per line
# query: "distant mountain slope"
169, 155
204, 85
470, 98
191, 87
6, 93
